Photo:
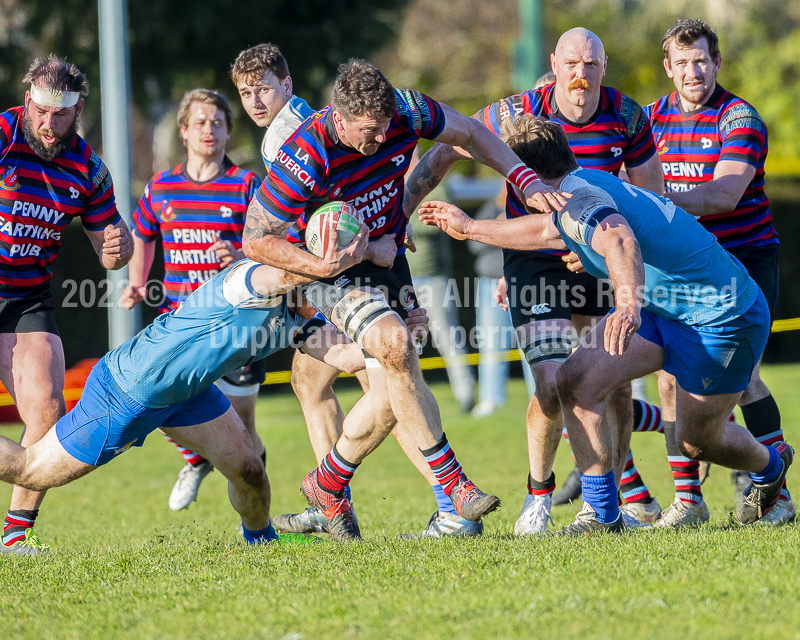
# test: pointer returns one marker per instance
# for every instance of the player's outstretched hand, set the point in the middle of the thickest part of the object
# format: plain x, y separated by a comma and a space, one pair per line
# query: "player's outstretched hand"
117, 244
449, 218
417, 323
543, 198
382, 252
340, 259
227, 254
131, 296
620, 327
500, 294
574, 263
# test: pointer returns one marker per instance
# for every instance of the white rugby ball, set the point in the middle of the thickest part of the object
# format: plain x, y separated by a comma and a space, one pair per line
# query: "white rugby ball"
339, 215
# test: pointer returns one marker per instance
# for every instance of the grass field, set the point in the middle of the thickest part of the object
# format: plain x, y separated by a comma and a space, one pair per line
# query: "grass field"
124, 566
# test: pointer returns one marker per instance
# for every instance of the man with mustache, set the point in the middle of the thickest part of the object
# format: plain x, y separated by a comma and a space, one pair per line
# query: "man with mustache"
49, 175
605, 129
712, 146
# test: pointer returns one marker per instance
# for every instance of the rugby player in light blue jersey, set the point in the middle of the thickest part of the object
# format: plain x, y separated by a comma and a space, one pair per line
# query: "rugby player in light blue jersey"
683, 304
164, 377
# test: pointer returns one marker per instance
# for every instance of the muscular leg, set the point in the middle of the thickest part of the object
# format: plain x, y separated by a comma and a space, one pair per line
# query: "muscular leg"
245, 407
43, 465
32, 370
226, 443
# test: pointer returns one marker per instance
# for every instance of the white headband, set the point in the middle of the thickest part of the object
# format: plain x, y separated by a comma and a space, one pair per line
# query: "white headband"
47, 97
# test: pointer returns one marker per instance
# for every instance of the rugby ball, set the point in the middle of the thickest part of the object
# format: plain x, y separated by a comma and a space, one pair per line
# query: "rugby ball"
335, 215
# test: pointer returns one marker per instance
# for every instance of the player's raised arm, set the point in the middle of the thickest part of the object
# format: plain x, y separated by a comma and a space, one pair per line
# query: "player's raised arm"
527, 233
486, 148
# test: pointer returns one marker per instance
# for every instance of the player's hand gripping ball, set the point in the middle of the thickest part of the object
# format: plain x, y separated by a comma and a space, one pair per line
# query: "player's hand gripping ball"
335, 215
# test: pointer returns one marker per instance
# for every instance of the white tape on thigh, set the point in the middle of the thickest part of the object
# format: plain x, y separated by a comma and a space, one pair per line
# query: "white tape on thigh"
362, 313
546, 346
372, 363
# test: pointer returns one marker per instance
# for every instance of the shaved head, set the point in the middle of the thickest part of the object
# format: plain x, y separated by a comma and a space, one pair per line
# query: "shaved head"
579, 64
578, 38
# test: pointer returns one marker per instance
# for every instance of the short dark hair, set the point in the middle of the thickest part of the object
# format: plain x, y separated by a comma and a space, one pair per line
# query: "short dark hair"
686, 32
360, 87
541, 144
251, 64
56, 74
207, 96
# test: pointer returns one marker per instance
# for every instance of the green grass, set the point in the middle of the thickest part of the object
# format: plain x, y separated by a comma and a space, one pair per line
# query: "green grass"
124, 566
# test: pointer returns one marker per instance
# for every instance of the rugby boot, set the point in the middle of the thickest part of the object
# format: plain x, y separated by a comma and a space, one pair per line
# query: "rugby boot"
185, 490
446, 525
312, 520
534, 516
587, 524
570, 489
783, 512
342, 523
758, 499
30, 545
644, 512
470, 502
683, 514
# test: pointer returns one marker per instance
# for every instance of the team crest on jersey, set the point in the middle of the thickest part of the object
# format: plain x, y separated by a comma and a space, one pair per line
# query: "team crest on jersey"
167, 213
10, 181
662, 147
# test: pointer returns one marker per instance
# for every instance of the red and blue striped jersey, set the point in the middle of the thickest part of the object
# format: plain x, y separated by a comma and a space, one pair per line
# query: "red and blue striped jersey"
39, 198
314, 167
691, 144
191, 216
617, 133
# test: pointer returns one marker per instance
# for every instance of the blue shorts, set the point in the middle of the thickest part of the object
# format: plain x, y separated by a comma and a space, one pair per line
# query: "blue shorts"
707, 361
107, 422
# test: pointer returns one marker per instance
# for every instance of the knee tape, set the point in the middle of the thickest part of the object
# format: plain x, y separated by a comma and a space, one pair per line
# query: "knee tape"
546, 346
361, 313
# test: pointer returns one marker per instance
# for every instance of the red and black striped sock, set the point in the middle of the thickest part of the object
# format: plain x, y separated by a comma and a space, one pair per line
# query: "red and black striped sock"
335, 473
631, 486
646, 417
685, 471
443, 463
542, 488
17, 523
192, 457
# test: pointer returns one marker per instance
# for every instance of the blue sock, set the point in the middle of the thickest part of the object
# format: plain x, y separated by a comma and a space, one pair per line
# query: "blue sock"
262, 536
443, 503
772, 471
347, 493
600, 492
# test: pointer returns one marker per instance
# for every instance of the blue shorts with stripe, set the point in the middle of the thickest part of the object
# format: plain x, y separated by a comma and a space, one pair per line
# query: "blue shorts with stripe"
107, 422
711, 360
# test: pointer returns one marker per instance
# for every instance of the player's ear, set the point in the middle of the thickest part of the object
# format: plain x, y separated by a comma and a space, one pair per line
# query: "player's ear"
79, 107
667, 67
184, 134
287, 86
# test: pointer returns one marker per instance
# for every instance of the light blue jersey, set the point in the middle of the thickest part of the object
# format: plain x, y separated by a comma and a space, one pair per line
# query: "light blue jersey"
689, 277
288, 120
222, 326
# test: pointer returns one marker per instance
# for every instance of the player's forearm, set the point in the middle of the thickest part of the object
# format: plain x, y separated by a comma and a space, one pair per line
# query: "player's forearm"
428, 174
626, 270
279, 253
141, 262
528, 233
718, 196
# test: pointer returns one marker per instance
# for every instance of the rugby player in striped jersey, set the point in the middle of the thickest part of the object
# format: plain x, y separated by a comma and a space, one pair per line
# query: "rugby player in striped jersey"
197, 209
606, 130
358, 149
712, 146
48, 177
